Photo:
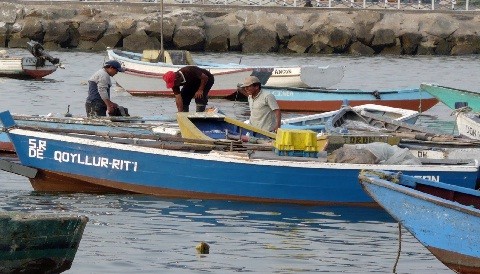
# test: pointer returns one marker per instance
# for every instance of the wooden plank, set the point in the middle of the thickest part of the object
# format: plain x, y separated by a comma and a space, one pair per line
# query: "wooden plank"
19, 169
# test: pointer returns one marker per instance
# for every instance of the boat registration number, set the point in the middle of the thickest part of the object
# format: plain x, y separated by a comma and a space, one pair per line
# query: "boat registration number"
29, 61
471, 131
280, 71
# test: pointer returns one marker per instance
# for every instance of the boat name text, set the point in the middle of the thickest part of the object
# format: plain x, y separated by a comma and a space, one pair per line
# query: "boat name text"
429, 177
36, 149
285, 93
364, 139
471, 131
282, 71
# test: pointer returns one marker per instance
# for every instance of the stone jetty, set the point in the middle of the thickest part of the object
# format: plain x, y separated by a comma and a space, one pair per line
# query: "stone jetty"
135, 27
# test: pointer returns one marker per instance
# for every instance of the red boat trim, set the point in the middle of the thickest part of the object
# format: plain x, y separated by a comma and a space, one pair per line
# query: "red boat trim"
38, 73
7, 147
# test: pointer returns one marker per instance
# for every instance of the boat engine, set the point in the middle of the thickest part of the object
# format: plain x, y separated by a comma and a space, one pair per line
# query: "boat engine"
37, 50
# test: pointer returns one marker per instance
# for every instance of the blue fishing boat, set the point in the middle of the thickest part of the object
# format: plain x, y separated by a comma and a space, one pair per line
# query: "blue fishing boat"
452, 96
444, 218
321, 100
85, 163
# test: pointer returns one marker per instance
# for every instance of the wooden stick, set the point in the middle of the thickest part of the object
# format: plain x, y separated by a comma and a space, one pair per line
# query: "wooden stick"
150, 139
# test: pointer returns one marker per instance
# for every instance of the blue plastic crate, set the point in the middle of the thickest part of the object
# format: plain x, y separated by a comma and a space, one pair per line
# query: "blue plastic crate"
296, 153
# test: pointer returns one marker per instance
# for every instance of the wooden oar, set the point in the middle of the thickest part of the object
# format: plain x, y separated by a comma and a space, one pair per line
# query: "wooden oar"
186, 142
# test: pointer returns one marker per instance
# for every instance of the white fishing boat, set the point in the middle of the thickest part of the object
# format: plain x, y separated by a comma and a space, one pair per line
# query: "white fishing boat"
143, 73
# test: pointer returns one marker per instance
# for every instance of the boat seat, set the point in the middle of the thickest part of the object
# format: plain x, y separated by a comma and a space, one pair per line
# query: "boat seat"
179, 57
151, 55
174, 57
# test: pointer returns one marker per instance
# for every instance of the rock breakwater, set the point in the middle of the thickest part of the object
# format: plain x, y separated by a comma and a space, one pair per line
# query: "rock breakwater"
302, 30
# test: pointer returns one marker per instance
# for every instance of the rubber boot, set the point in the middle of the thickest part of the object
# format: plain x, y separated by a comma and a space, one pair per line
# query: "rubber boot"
200, 108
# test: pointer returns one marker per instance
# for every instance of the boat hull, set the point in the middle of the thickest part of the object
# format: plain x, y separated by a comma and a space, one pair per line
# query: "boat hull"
215, 175
25, 67
5, 144
468, 124
330, 100
140, 84
449, 96
143, 78
447, 229
43, 243
304, 76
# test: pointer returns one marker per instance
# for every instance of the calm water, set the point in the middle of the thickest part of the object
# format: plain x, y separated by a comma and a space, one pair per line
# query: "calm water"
128, 234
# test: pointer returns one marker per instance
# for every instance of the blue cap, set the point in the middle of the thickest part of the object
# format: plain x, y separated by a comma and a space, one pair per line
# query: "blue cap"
114, 64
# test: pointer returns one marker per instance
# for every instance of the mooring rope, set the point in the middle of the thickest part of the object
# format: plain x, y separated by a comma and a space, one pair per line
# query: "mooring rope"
399, 248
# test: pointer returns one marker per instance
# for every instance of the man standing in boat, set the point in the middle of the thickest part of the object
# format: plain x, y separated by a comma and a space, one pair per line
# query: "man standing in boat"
264, 110
195, 82
98, 101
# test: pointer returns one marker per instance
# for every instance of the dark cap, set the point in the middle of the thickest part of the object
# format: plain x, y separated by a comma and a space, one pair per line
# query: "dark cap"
114, 64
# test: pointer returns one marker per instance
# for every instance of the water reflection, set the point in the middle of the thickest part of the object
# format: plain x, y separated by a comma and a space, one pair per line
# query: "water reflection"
125, 231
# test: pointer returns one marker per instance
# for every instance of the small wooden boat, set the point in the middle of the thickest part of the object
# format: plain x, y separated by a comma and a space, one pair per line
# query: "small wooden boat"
348, 121
423, 142
321, 100
453, 96
88, 163
444, 218
32, 243
316, 122
39, 65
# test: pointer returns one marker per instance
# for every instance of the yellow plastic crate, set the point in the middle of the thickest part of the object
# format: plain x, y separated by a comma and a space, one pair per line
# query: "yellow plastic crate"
296, 140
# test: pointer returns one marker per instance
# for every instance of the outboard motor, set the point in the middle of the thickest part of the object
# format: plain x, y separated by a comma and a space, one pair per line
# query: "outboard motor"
263, 74
36, 49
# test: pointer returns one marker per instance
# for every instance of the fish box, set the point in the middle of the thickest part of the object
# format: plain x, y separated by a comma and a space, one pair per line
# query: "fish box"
301, 143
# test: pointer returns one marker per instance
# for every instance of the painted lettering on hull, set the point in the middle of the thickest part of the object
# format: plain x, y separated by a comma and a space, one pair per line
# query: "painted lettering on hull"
429, 177
284, 93
104, 162
364, 139
282, 71
36, 149
471, 131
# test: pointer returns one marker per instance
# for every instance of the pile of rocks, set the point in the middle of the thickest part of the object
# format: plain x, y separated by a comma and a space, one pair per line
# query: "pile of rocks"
321, 31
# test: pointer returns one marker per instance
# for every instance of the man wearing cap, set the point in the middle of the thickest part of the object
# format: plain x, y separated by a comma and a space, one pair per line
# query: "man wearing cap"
98, 101
195, 82
264, 110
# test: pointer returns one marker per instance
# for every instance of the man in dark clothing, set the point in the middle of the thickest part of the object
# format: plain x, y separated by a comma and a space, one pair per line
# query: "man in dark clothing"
98, 101
195, 82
